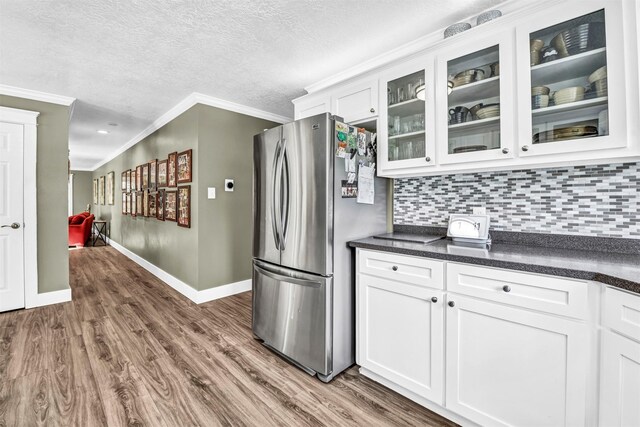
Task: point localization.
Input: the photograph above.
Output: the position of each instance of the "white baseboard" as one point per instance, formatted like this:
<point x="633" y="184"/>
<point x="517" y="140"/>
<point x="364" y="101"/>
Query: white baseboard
<point x="49" y="298"/>
<point x="194" y="295"/>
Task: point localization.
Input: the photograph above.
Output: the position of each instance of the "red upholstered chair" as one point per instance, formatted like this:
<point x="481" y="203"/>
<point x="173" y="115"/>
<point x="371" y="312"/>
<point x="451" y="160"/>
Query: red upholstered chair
<point x="80" y="228"/>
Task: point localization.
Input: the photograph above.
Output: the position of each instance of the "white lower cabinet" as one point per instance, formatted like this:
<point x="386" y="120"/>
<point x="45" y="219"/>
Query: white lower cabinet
<point x="493" y="347"/>
<point x="620" y="364"/>
<point x="509" y="366"/>
<point x="620" y="381"/>
<point x="400" y="329"/>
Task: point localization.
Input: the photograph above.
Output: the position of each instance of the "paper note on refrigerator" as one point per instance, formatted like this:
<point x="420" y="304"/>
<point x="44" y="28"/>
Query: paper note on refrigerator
<point x="366" y="191"/>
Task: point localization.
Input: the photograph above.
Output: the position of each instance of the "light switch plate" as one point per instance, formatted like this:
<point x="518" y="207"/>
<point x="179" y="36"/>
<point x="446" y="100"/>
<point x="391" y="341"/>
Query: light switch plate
<point x="211" y="192"/>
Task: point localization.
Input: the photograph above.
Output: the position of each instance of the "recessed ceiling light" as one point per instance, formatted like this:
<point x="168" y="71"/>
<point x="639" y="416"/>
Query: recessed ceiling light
<point x="103" y="132"/>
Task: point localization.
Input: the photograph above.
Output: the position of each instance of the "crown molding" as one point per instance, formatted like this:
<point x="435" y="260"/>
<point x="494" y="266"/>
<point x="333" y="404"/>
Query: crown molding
<point x="181" y="107"/>
<point x="510" y="9"/>
<point x="36" y="95"/>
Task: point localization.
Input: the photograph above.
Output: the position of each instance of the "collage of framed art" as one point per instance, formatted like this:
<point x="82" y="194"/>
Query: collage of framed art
<point x="154" y="190"/>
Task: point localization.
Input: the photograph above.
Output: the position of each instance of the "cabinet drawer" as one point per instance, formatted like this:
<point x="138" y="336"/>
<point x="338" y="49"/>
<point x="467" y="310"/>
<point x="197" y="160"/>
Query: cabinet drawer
<point x="403" y="268"/>
<point x="555" y="295"/>
<point x="622" y="312"/>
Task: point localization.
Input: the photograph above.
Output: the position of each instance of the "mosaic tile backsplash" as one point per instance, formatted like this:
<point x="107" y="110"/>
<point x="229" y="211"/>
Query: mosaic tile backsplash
<point x="602" y="200"/>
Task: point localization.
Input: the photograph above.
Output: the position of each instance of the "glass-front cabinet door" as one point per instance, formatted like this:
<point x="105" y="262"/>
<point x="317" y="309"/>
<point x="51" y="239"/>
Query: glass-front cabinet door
<point x="576" y="92"/>
<point x="405" y="131"/>
<point x="475" y="101"/>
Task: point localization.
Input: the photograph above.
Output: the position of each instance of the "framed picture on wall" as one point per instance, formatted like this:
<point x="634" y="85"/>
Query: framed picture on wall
<point x="132" y="203"/>
<point x="95" y="191"/>
<point x="128" y="172"/>
<point x="125" y="197"/>
<point x="160" y="205"/>
<point x="133" y="180"/>
<point x="101" y="190"/>
<point x="184" y="206"/>
<point x="145" y="176"/>
<point x="170" y="205"/>
<point x="111" y="188"/>
<point x="184" y="167"/>
<point x="172" y="169"/>
<point x="139" y="178"/>
<point x="123" y="181"/>
<point x="153" y="175"/>
<point x="162" y="173"/>
<point x="140" y="204"/>
<point x="151" y="204"/>
<point x="145" y="203"/>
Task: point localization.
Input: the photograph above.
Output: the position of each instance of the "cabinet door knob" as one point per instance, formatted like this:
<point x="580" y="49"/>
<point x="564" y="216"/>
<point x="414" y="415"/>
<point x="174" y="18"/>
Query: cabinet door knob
<point x="505" y="150"/>
<point x="451" y="304"/>
<point x="525" y="148"/>
<point x="428" y="159"/>
<point x="506" y="288"/>
<point x="394" y="268"/>
<point x="373" y="110"/>
<point x="434" y="299"/>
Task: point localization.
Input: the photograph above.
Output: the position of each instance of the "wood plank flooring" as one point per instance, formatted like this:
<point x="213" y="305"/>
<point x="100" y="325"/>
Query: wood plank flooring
<point x="129" y="350"/>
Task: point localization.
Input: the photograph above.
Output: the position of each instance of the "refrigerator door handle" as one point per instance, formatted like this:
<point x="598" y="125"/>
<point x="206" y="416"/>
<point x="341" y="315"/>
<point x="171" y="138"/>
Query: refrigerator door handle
<point x="275" y="215"/>
<point x="297" y="278"/>
<point x="285" y="194"/>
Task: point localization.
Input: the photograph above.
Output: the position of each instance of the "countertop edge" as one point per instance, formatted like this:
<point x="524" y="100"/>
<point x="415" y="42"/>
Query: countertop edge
<point x="530" y="268"/>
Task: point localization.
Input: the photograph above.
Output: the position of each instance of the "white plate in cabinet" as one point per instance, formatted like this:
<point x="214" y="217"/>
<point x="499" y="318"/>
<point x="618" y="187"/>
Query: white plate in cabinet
<point x="402" y="268"/>
<point x="400" y="330"/>
<point x="550" y="294"/>
<point x="620" y="379"/>
<point x="622" y="313"/>
<point x="512" y="367"/>
<point x="356" y="101"/>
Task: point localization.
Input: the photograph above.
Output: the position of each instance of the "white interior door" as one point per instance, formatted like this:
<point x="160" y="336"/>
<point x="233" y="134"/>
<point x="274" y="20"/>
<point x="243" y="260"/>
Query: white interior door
<point x="11" y="216"/>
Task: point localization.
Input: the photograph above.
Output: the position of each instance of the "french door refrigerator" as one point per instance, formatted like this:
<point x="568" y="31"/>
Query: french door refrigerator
<point x="303" y="271"/>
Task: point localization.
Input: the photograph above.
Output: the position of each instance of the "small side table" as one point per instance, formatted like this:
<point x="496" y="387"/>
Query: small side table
<point x="100" y="228"/>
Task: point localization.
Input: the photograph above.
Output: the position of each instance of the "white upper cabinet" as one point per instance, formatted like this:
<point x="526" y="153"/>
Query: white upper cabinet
<point x="311" y="105"/>
<point x="474" y="100"/>
<point x="406" y="137"/>
<point x="572" y="96"/>
<point x="580" y="58"/>
<point x="356" y="101"/>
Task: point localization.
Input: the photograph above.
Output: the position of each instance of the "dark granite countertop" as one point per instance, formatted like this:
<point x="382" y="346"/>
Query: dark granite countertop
<point x="621" y="270"/>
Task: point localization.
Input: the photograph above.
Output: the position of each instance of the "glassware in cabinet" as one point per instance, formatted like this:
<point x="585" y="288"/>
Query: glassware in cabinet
<point x="406" y="136"/>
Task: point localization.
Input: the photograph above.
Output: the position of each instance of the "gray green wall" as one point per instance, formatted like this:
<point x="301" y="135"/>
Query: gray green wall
<point x="216" y="250"/>
<point x="52" y="179"/>
<point x="82" y="190"/>
<point x="226" y="151"/>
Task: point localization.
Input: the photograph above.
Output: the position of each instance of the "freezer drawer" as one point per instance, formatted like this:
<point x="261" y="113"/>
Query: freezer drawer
<point x="292" y="314"/>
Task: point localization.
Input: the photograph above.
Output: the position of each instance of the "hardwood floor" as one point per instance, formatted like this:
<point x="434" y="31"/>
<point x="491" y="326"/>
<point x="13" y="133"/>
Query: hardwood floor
<point x="129" y="350"/>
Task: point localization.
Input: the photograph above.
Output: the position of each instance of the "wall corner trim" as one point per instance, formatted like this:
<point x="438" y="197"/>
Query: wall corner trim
<point x="36" y="95"/>
<point x="193" y="294"/>
<point x="184" y="105"/>
<point x="48" y="298"/>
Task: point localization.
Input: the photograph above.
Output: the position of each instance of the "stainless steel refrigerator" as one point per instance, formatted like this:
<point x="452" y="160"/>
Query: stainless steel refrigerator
<point x="303" y="271"/>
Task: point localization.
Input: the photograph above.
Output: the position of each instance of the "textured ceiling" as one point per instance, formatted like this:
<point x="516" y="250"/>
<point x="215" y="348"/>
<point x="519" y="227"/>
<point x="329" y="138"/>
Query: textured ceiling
<point x="130" y="61"/>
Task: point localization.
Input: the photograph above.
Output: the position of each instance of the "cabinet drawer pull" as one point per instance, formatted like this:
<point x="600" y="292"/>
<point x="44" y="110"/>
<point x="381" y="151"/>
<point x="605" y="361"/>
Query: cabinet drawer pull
<point x="525" y="148"/>
<point x="394" y="268"/>
<point x="505" y="151"/>
<point x="428" y="159"/>
<point x="506" y="288"/>
<point x="373" y="110"/>
<point x="452" y="304"/>
<point x="434" y="299"/>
